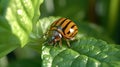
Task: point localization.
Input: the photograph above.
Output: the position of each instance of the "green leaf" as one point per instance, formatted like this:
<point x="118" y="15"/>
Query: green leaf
<point x="86" y="52"/>
<point x="16" y="23"/>
<point x="20" y="18"/>
<point x="8" y="41"/>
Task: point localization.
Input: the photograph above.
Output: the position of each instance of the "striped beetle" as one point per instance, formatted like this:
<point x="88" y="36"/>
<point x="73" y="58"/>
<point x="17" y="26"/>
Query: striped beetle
<point x="62" y="28"/>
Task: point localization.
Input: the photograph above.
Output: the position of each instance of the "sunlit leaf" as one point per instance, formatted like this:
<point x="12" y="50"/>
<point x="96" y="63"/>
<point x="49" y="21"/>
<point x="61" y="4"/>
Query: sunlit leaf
<point x="87" y="52"/>
<point x="16" y="23"/>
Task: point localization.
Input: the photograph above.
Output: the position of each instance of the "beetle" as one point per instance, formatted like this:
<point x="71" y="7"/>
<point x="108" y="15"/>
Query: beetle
<point x="62" y="28"/>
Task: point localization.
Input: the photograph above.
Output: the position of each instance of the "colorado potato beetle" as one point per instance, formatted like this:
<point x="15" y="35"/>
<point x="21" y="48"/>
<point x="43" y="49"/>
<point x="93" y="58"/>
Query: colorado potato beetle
<point x="62" y="28"/>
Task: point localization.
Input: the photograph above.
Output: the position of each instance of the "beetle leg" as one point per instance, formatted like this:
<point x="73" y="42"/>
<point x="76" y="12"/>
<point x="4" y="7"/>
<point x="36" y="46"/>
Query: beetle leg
<point x="55" y="44"/>
<point x="60" y="43"/>
<point x="68" y="43"/>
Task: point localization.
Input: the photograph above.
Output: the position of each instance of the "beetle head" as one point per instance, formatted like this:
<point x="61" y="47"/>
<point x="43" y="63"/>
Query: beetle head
<point x="54" y="36"/>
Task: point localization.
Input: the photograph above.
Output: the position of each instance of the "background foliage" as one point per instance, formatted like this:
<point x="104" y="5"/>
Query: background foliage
<point x="23" y="22"/>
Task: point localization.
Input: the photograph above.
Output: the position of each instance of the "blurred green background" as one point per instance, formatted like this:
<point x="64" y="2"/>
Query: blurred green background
<point x="103" y="13"/>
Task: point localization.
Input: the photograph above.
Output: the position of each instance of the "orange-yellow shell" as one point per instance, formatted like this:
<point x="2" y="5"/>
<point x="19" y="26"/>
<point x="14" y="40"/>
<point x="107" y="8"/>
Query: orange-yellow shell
<point x="66" y="27"/>
<point x="62" y="28"/>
